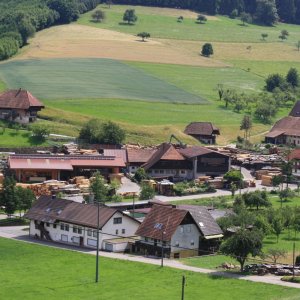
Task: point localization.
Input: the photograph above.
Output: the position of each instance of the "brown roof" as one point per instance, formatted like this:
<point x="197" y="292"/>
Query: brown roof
<point x="161" y="218"/>
<point x="201" y="128"/>
<point x="165" y="151"/>
<point x="49" y="210"/>
<point x="66" y="162"/>
<point x="275" y="133"/>
<point x="19" y="99"/>
<point x="139" y="155"/>
<point x="287" y="125"/>
<point x="194" y="151"/>
<point x="295" y="112"/>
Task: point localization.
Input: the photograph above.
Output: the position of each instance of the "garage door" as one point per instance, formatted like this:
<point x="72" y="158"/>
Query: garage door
<point x="109" y="247"/>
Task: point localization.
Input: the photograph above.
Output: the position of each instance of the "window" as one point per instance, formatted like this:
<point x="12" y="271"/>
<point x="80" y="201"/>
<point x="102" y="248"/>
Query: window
<point x="66" y="227"/>
<point x="177" y="244"/>
<point x="75" y="239"/>
<point x="118" y="220"/>
<point x="161" y="171"/>
<point x="54" y="225"/>
<point x="192" y="243"/>
<point x="95" y="233"/>
<point x="181" y="229"/>
<point x="92" y="243"/>
<point x="89" y="232"/>
<point x="75" y="229"/>
<point x="146" y="239"/>
<point x="182" y="172"/>
<point x="62" y="226"/>
<point x="188" y="228"/>
<point x="117" y="231"/>
<point x="176" y="255"/>
<point x="64" y="238"/>
<point x="79" y="230"/>
<point x="164" y="243"/>
<point x="47" y="224"/>
<point x="155" y="242"/>
<point x="123" y="231"/>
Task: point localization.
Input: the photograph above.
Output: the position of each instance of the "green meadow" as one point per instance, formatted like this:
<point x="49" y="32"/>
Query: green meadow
<point x="220" y="29"/>
<point x="40" y="272"/>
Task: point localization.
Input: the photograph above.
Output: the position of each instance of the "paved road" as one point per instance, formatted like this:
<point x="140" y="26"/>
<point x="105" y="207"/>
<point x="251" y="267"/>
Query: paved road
<point x="17" y="232"/>
<point x="218" y="193"/>
<point x="128" y="186"/>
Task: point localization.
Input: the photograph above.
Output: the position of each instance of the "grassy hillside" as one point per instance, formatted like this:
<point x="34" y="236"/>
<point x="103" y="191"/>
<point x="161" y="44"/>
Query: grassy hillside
<point x="47" y="273"/>
<point x="164" y="25"/>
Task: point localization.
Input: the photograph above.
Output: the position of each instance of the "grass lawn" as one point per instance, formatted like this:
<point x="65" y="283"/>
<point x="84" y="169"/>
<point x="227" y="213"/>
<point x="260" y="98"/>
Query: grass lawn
<point x="162" y="25"/>
<point x="90" y="78"/>
<point x="47" y="273"/>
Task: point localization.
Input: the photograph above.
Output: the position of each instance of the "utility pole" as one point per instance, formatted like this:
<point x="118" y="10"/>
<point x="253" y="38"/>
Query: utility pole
<point x="133" y="204"/>
<point x="97" y="255"/>
<point x="293" y="260"/>
<point x="182" y="287"/>
<point x="162" y="248"/>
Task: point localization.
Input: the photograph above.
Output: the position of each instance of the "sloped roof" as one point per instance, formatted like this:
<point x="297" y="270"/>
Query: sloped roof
<point x="49" y="210"/>
<point x="139" y="155"/>
<point x="169" y="218"/>
<point x="165" y="151"/>
<point x="295" y="154"/>
<point x="194" y="151"/>
<point x="63" y="162"/>
<point x="204" y="220"/>
<point x="287" y="125"/>
<point x="295" y="112"/>
<point x="201" y="128"/>
<point x="19" y="99"/>
<point x="275" y="133"/>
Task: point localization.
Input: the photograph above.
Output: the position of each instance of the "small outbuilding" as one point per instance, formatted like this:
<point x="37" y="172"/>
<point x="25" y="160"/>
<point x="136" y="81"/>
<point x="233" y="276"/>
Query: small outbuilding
<point x="204" y="132"/>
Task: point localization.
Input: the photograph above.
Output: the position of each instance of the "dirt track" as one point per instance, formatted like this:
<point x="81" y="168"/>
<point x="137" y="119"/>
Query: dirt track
<point x="85" y="41"/>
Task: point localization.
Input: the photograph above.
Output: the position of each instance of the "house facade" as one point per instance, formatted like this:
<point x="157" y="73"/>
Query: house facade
<point x="179" y="232"/>
<point x="177" y="163"/>
<point x="69" y="222"/>
<point x="19" y="106"/>
<point x="204" y="132"/>
<point x="294" y="156"/>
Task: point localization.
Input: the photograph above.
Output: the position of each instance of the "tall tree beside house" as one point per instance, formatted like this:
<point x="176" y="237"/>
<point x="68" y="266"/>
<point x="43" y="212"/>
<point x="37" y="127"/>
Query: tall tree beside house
<point x="25" y="198"/>
<point x="242" y="244"/>
<point x="99" y="189"/>
<point x="8" y="197"/>
<point x="112" y="133"/>
<point x="246" y="125"/>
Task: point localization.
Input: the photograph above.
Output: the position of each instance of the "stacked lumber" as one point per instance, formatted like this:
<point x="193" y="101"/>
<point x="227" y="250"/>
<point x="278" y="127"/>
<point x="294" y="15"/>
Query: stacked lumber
<point x="38" y="189"/>
<point x="266" y="180"/>
<point x="1" y="178"/>
<point x="217" y="183"/>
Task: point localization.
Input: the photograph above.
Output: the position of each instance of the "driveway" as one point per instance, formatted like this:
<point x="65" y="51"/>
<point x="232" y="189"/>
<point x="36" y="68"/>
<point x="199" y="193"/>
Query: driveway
<point x="128" y="186"/>
<point x="18" y="234"/>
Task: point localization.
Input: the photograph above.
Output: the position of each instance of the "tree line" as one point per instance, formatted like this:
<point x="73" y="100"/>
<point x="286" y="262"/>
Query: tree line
<point x="20" y="19"/>
<point x="262" y="11"/>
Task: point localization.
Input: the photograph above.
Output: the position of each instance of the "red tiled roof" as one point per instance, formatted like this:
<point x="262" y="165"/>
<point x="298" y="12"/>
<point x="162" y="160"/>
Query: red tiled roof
<point x="139" y="155"/>
<point x="169" y="217"/>
<point x="201" y="128"/>
<point x="19" y="99"/>
<point x="57" y="162"/>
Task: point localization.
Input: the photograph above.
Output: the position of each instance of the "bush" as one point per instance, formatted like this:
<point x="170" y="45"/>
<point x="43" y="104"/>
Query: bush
<point x="140" y="175"/>
<point x="147" y="192"/>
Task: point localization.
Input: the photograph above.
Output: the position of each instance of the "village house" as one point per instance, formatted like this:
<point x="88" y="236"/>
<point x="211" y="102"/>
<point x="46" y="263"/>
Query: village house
<point x="180" y="232"/>
<point x="137" y="157"/>
<point x="178" y="163"/>
<point x="19" y="106"/>
<point x="204" y="132"/>
<point x="38" y="168"/>
<point x="286" y="131"/>
<point x="75" y="223"/>
<point x="294" y="156"/>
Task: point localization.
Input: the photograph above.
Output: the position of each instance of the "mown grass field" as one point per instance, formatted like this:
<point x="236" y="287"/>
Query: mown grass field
<point x="46" y="273"/>
<point x="164" y="25"/>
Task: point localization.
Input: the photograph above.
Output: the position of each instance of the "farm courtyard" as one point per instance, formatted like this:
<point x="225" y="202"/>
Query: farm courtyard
<point x="153" y="88"/>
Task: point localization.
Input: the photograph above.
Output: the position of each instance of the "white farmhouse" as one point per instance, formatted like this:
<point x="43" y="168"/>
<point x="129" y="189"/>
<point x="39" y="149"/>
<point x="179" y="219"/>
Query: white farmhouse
<point x="180" y="232"/>
<point x="75" y="223"/>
